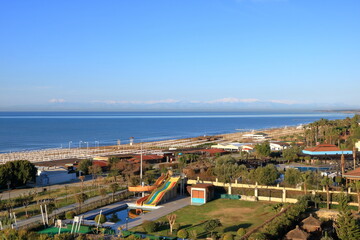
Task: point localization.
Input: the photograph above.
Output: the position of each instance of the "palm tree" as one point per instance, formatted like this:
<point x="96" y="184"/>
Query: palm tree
<point x="356" y="185"/>
<point x="326" y="182"/>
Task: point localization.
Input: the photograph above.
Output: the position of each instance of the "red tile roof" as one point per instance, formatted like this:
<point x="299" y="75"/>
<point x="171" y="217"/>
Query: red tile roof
<point x="101" y="163"/>
<point x="213" y="150"/>
<point x="353" y="173"/>
<point x="323" y="148"/>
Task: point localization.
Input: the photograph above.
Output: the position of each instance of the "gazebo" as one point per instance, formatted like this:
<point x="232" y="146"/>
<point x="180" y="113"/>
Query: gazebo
<point x="297" y="234"/>
<point x="311" y="224"/>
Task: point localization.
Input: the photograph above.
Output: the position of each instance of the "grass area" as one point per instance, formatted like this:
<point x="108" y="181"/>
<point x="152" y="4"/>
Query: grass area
<point x="233" y="214"/>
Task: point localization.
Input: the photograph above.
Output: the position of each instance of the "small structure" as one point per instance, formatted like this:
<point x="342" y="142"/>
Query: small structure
<point x="325" y="149"/>
<point x="311" y="224"/>
<point x="201" y="193"/>
<point x="297" y="234"/>
<point x="53" y="175"/>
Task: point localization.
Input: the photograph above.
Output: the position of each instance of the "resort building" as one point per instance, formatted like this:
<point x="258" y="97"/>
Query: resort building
<point x="325" y="149"/>
<point x="248" y="148"/>
<point x="232" y="147"/>
<point x="53" y="175"/>
<point x="256" y="136"/>
<point x="357" y="145"/>
<point x="278" y="146"/>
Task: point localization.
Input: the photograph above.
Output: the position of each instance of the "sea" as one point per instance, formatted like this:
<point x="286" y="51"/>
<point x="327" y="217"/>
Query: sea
<point x="25" y="131"/>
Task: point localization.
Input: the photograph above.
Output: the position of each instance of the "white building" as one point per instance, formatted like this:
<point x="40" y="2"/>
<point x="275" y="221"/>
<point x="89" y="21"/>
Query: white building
<point x="229" y="146"/>
<point x="256" y="136"/>
<point x="53" y="175"/>
<point x="278" y="146"/>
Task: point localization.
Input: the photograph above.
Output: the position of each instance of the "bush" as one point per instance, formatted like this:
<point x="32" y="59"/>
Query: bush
<point x="241" y="232"/>
<point x="176" y="226"/>
<point x="182" y="233"/>
<point x="70" y="215"/>
<point x="228" y="236"/>
<point x="149" y="226"/>
<point x="101" y="218"/>
<point x="114" y="218"/>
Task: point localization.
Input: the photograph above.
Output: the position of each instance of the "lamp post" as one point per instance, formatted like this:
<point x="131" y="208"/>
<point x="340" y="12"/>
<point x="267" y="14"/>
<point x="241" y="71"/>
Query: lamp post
<point x="80" y="144"/>
<point x="70" y="142"/>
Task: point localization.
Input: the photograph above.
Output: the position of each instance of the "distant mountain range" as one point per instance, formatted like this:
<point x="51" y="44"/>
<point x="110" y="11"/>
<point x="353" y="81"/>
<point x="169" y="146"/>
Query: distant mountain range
<point x="173" y="105"/>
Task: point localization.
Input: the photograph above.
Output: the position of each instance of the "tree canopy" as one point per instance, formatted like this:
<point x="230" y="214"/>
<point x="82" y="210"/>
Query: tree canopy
<point x="17" y="173"/>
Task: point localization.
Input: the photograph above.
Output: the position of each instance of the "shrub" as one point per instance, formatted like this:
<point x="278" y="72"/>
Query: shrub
<point x="182" y="233"/>
<point x="114" y="218"/>
<point x="70" y="215"/>
<point x="101" y="218"/>
<point x="228" y="236"/>
<point x="149" y="226"/>
<point x="241" y="232"/>
<point x="176" y="226"/>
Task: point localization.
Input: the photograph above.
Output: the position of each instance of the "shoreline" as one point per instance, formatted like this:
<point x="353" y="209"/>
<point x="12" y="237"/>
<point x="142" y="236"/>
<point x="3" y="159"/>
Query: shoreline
<point x="150" y="147"/>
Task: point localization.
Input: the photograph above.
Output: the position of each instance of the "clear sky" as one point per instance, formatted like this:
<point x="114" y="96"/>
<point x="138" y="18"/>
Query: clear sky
<point x="127" y="53"/>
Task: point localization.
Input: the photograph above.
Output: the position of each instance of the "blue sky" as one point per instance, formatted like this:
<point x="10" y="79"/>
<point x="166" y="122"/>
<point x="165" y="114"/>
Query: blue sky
<point x="124" y="54"/>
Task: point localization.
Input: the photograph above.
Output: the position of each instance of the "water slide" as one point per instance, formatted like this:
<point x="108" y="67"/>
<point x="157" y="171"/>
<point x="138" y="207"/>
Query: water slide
<point x="148" y="188"/>
<point x="155" y="197"/>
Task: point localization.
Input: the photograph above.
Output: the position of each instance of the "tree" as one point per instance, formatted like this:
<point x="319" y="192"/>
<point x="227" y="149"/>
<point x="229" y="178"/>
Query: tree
<point x="18" y="173"/>
<point x="266" y="175"/>
<point x="291" y="154"/>
<point x="113" y="188"/>
<point x="356" y="185"/>
<point x="326" y="182"/>
<point x="94" y="170"/>
<point x="346" y="226"/>
<point x="70" y="215"/>
<point x="80" y="198"/>
<point x="182" y="234"/>
<point x="171" y="218"/>
<point x="262" y="150"/>
<point x="84" y="166"/>
<point x="210" y="225"/>
<point x="100" y="218"/>
<point x="26" y="199"/>
<point x="292" y="176"/>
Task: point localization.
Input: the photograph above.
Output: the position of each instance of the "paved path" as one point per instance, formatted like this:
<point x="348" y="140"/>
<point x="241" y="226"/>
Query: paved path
<point x="165" y="209"/>
<point x="73" y="206"/>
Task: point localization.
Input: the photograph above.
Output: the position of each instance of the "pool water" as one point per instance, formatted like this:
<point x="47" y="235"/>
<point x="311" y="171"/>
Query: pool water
<point x="127" y="214"/>
<point x="319" y="169"/>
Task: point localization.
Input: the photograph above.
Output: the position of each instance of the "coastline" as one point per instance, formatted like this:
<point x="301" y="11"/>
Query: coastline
<point x="151" y="147"/>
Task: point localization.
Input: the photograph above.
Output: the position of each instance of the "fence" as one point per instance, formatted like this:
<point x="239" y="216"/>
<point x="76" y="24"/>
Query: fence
<point x="282" y="194"/>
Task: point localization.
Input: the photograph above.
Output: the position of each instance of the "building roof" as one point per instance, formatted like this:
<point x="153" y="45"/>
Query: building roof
<point x="137" y="158"/>
<point x="311" y="221"/>
<point x="323" y="148"/>
<point x="353" y="173"/>
<point x="101" y="163"/>
<point x="280" y="143"/>
<point x="213" y="150"/>
<point x="297" y="233"/>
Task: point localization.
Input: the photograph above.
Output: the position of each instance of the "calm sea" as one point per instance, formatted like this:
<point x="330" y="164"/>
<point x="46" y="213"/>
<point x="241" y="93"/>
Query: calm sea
<point x="37" y="130"/>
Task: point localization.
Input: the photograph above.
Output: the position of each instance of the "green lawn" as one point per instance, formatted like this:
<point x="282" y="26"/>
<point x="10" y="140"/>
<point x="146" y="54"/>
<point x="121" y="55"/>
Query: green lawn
<point x="232" y="214"/>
